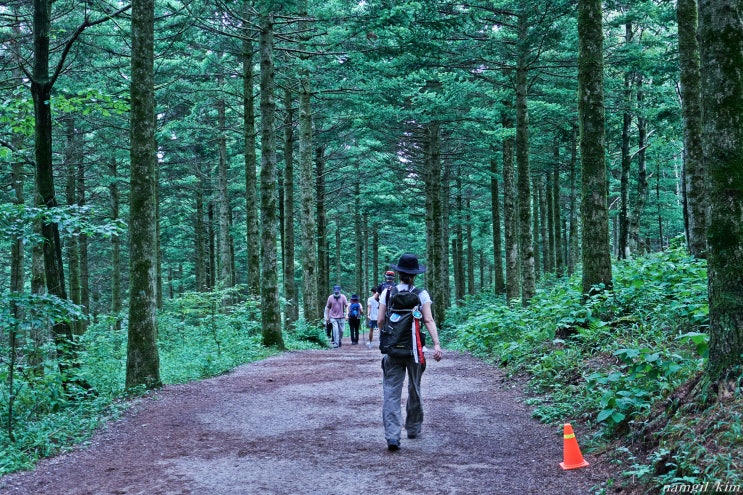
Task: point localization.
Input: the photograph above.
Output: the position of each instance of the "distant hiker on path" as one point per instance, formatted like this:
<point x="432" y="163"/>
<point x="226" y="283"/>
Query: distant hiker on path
<point x="336" y="313"/>
<point x="401" y="341"/>
<point x="355" y="312"/>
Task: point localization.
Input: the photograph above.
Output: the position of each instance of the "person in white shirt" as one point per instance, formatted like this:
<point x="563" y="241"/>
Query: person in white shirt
<point x="372" y="311"/>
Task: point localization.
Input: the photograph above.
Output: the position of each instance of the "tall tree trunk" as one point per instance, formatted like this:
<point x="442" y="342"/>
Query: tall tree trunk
<point x="545" y="198"/>
<point x="270" y="304"/>
<point x="538" y="215"/>
<point x="511" y="219"/>
<point x="573" y="242"/>
<point x="320" y="244"/>
<point x="251" y="160"/>
<point x="500" y="285"/>
<point x="224" y="244"/>
<point x="557" y="208"/>
<point x="623" y="238"/>
<point x="143" y="362"/>
<point x="201" y="262"/>
<point x="311" y="269"/>
<point x="460" y="288"/>
<point x="695" y="197"/>
<point x="41" y="87"/>
<point x="596" y="247"/>
<point x="83" y="243"/>
<point x="290" y="287"/>
<point x="116" y="297"/>
<point x="523" y="180"/>
<point x="359" y="240"/>
<point x="722" y="137"/>
<point x="642" y="176"/>
<point x="435" y="239"/>
<point x="470" y="252"/>
<point x="71" y="157"/>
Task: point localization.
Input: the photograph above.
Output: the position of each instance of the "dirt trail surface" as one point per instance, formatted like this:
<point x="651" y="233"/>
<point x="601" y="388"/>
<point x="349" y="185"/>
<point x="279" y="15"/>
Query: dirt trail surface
<point x="309" y="423"/>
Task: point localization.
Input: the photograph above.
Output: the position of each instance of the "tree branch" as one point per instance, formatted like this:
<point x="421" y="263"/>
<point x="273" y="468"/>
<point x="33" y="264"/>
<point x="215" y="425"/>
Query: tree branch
<point x="82" y="27"/>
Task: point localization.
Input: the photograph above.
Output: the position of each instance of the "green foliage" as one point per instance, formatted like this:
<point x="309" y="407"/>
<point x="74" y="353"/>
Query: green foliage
<point x="616" y="362"/>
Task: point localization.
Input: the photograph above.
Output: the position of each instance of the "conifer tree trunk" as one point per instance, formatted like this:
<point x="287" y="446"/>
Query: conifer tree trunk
<point x="623" y="247"/>
<point x="538" y="216"/>
<point x="573" y="242"/>
<point x="460" y="288"/>
<point x="436" y="240"/>
<point x="290" y="288"/>
<point x="642" y="178"/>
<point x="251" y="160"/>
<point x="71" y="156"/>
<point x="200" y="239"/>
<point x="695" y="198"/>
<point x="270" y="305"/>
<point x="523" y="179"/>
<point x="596" y="248"/>
<point x="311" y="267"/>
<point x="116" y="298"/>
<point x="359" y="241"/>
<point x="320" y="244"/>
<point x="513" y="274"/>
<point x="500" y="285"/>
<point x="83" y="243"/>
<point x="548" y="238"/>
<point x="557" y="208"/>
<point x="143" y="363"/>
<point x="470" y="253"/>
<point x="41" y="88"/>
<point x="224" y="242"/>
<point x="720" y="32"/>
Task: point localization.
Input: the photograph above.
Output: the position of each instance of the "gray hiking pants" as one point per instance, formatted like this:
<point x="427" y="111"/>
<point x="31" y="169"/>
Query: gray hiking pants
<point x="394" y="370"/>
<point x="338" y="324"/>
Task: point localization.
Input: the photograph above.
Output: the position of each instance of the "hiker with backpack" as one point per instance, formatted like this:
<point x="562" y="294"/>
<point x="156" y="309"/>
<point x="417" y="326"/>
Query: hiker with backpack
<point x="335" y="313"/>
<point x="402" y="309"/>
<point x="355" y="312"/>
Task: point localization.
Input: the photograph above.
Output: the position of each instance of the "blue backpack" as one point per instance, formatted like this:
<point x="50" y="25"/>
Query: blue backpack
<point x="354" y="310"/>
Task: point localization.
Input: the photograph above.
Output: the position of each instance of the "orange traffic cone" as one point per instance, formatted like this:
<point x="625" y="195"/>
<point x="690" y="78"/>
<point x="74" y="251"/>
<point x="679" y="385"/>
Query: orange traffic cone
<point x="572" y="458"/>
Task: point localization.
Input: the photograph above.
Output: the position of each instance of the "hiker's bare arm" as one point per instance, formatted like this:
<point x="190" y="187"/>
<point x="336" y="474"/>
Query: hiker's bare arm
<point x="431" y="327"/>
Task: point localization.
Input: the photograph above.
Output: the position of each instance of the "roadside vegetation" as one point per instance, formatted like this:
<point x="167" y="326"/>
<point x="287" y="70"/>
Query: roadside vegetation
<point x="625" y="366"/>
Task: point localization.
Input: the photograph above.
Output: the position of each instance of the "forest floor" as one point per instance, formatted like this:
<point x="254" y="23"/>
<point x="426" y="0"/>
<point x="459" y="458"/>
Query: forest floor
<point x="309" y="423"/>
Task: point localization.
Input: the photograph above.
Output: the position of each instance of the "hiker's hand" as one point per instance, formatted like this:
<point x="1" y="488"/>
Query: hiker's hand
<point x="437" y="353"/>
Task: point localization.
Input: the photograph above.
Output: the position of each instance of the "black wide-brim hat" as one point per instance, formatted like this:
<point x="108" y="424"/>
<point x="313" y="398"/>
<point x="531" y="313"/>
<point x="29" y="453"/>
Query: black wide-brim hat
<point x="408" y="263"/>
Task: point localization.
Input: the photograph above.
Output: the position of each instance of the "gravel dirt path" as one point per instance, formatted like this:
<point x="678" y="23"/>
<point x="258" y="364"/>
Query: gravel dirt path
<point x="309" y="423"/>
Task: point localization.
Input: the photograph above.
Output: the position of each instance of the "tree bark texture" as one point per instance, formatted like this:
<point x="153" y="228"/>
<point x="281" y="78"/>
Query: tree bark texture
<point x="500" y="285"/>
<point x="290" y="287"/>
<point x="523" y="180"/>
<point x="320" y="243"/>
<point x="251" y="161"/>
<point x="143" y="363"/>
<point x="511" y="219"/>
<point x="436" y="242"/>
<point x="720" y="37"/>
<point x="270" y="304"/>
<point x="638" y="205"/>
<point x="695" y="197"/>
<point x="116" y="297"/>
<point x="225" y="240"/>
<point x="596" y="248"/>
<point x="557" y="208"/>
<point x="41" y="88"/>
